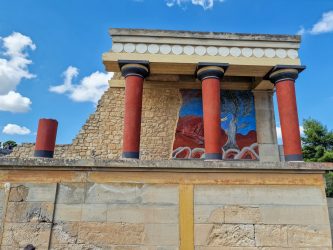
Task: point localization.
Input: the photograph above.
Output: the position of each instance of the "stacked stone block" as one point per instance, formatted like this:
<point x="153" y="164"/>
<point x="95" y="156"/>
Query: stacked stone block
<point x="260" y="217"/>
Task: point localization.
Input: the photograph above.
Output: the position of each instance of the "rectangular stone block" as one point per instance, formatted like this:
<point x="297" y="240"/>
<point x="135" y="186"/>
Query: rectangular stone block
<point x="94" y="212"/>
<point x="130" y="193"/>
<point x="64" y="233"/>
<point x="271" y="235"/>
<point x="19" y="235"/>
<point x="117" y="193"/>
<point x="294" y="215"/>
<point x="104" y="234"/>
<point x="208" y="214"/>
<point x="258" y="195"/>
<point x="220" y="235"/>
<point x="161" y="234"/>
<point x="242" y="214"/>
<point x="229" y="248"/>
<point x="269" y="152"/>
<point x="148" y="214"/>
<point x="71" y="193"/>
<point x="309" y="236"/>
<point x="29" y="212"/>
<point x="68" y="212"/>
<point x="40" y="192"/>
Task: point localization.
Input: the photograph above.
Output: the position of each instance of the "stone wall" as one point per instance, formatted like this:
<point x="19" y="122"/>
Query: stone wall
<point x="158" y="207"/>
<point x="330" y="212"/>
<point x="26" y="150"/>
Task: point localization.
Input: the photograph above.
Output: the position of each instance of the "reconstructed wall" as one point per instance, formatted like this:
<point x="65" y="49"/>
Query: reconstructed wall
<point x="57" y="207"/>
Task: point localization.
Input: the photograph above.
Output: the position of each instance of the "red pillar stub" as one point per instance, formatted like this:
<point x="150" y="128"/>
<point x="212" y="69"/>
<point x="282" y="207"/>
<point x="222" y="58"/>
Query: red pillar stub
<point x="46" y="138"/>
<point x="134" y="77"/>
<point x="210" y="77"/>
<point x="284" y="81"/>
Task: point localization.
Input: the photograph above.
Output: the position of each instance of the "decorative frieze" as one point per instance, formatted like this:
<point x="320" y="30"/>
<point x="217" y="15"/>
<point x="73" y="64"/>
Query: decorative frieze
<point x="175" y="49"/>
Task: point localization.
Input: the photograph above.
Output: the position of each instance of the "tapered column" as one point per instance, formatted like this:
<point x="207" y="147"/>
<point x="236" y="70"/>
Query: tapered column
<point x="134" y="77"/>
<point x="46" y="138"/>
<point x="210" y="76"/>
<point x="284" y="80"/>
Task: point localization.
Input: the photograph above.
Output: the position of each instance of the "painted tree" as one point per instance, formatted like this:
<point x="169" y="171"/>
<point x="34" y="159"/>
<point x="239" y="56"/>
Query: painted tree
<point x="235" y="104"/>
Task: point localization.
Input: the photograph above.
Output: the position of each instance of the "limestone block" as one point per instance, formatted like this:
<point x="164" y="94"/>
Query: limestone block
<point x="71" y="193"/>
<point x="98" y="234"/>
<point x="309" y="236"/>
<point x="94" y="212"/>
<point x="29" y="212"/>
<point x="18" y="193"/>
<point x="64" y="233"/>
<point x="329" y="202"/>
<point x="228" y="248"/>
<point x="142" y="213"/>
<point x="269" y="152"/>
<point x="208" y="214"/>
<point x="112" y="193"/>
<point x="271" y="235"/>
<point x="219" y="235"/>
<point x="294" y="215"/>
<point x="161" y="234"/>
<point x="259" y="195"/>
<point x="242" y="214"/>
<point x="41" y="192"/>
<point x="21" y="234"/>
<point x="160" y="194"/>
<point x="68" y="212"/>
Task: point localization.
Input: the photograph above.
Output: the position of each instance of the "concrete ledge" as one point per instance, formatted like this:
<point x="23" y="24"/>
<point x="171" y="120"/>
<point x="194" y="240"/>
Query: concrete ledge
<point x="160" y="165"/>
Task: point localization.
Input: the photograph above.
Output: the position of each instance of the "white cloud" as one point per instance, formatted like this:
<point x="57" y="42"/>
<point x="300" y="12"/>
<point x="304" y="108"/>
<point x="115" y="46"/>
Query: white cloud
<point x="14" y="64"/>
<point x="279" y="133"/>
<point x="13" y="129"/>
<point x="90" y="88"/>
<point x="205" y="4"/>
<point x="324" y="25"/>
<point x="14" y="102"/>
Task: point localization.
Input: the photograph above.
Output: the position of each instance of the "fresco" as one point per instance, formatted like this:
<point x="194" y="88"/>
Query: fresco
<point x="238" y="126"/>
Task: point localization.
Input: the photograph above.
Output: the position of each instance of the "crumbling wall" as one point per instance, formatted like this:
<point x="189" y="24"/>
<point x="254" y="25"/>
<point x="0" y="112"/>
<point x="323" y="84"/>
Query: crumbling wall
<point x="26" y="150"/>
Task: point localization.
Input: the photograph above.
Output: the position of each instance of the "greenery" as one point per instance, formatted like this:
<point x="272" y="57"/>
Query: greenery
<point x="8" y="145"/>
<point x="317" y="142"/>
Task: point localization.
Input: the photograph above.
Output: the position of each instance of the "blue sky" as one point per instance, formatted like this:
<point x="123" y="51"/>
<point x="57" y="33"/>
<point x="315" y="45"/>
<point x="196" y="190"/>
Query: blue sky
<point x="53" y="37"/>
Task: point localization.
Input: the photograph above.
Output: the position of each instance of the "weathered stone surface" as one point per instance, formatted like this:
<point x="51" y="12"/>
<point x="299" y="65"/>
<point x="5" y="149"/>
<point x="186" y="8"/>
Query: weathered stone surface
<point x="259" y="195"/>
<point x="208" y="214"/>
<point x="142" y="214"/>
<point x="64" y="233"/>
<point x="68" y="212"/>
<point x="294" y="215"/>
<point x="309" y="236"/>
<point x="235" y="235"/>
<point x="161" y="234"/>
<point x="111" y="233"/>
<point x="29" y="212"/>
<point x="21" y="234"/>
<point x="94" y="212"/>
<point x="41" y="192"/>
<point x="129" y="193"/>
<point x="271" y="235"/>
<point x="70" y="193"/>
<point x="242" y="214"/>
<point x="18" y="193"/>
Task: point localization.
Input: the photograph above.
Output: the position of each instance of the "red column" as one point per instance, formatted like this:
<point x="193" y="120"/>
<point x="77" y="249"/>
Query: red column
<point x="134" y="77"/>
<point x="284" y="80"/>
<point x="46" y="138"/>
<point x="210" y="77"/>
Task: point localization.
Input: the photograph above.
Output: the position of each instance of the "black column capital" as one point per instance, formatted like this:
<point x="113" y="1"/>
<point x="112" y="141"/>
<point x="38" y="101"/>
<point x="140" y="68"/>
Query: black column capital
<point x="134" y="68"/>
<point x="211" y="70"/>
<point x="284" y="72"/>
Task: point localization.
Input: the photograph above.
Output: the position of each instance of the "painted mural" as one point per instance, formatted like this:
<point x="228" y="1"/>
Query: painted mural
<point x="238" y="126"/>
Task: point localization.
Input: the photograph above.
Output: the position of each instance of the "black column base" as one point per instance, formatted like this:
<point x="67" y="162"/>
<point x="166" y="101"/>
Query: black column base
<point x="293" y="157"/>
<point x="213" y="156"/>
<point x="44" y="153"/>
<point x="131" y="155"/>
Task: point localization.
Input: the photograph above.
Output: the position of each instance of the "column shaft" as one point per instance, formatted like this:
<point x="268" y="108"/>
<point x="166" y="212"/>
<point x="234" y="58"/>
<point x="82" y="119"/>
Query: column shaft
<point x="286" y="97"/>
<point x="46" y="138"/>
<point x="132" y="119"/>
<point x="212" y="117"/>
